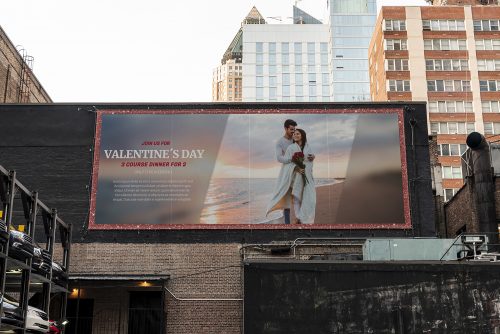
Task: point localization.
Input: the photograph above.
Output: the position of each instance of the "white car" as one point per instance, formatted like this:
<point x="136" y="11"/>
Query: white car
<point x="37" y="320"/>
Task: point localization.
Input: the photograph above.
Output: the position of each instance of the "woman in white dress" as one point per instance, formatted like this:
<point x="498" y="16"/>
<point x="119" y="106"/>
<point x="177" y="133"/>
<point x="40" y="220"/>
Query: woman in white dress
<point x="293" y="183"/>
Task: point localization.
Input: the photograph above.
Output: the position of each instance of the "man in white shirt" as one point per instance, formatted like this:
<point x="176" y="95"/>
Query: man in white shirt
<point x="281" y="146"/>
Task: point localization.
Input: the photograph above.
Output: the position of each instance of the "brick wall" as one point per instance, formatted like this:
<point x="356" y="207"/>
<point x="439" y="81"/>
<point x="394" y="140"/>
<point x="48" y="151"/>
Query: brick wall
<point x="196" y="271"/>
<point x="201" y="271"/>
<point x="460" y="212"/>
<point x="10" y="75"/>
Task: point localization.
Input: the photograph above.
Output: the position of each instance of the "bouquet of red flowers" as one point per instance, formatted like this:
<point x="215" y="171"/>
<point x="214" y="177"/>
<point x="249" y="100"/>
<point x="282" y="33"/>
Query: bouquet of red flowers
<point x="298" y="159"/>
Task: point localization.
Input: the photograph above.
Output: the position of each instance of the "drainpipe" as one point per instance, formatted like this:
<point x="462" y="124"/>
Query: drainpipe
<point x="483" y="188"/>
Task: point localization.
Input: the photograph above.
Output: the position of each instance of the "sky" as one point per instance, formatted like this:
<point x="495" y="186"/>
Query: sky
<point x="136" y="51"/>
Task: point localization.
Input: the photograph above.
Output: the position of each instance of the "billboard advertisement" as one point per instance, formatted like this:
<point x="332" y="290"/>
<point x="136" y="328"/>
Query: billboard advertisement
<point x="192" y="169"/>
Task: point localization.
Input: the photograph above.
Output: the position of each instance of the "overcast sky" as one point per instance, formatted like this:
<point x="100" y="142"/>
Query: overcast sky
<point x="135" y="51"/>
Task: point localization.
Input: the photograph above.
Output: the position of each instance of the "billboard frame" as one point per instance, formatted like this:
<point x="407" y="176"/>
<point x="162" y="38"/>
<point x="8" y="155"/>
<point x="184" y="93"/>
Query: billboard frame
<point x="361" y="109"/>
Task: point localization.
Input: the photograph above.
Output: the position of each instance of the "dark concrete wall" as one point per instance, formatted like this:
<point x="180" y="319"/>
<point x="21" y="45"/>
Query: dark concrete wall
<point x="318" y="297"/>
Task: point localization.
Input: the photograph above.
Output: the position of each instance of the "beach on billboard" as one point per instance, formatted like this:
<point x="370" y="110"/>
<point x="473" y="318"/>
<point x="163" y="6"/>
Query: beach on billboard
<point x="247" y="199"/>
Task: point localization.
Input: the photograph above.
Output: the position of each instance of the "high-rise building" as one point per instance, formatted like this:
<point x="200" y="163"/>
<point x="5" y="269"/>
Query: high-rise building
<point x="448" y="56"/>
<point x="305" y="61"/>
<point x="226" y="78"/>
<point x="351" y="28"/>
<point x="285" y="62"/>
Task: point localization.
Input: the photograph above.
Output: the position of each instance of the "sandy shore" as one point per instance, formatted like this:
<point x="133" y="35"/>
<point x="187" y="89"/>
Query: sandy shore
<point x="372" y="200"/>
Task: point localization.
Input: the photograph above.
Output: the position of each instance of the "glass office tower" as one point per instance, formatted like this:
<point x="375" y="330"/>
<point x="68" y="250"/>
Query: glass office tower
<point x="351" y="27"/>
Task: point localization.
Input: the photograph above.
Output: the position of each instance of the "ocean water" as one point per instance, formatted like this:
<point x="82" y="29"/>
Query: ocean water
<point x="242" y="201"/>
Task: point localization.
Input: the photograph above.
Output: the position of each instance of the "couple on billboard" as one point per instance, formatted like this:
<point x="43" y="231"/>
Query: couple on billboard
<point x="295" y="181"/>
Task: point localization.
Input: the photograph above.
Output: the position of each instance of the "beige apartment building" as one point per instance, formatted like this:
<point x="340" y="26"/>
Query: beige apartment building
<point x="226" y="82"/>
<point x="448" y="56"/>
<point x="227" y="77"/>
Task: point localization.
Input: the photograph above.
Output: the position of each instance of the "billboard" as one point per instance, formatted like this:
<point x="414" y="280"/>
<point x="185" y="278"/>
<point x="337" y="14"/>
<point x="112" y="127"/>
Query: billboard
<point x="196" y="169"/>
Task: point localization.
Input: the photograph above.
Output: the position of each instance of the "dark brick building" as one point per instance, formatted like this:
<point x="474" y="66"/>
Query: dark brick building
<point x="18" y="84"/>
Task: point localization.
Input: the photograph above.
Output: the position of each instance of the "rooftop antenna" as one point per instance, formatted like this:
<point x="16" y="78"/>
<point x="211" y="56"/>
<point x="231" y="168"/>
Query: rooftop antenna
<point x="297" y="1"/>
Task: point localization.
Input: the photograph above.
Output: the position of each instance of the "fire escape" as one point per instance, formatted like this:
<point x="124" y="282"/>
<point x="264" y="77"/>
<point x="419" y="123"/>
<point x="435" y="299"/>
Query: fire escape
<point x="23" y="92"/>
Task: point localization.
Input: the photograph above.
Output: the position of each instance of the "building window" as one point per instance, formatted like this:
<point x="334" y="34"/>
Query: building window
<point x="259" y="58"/>
<point x="272" y="69"/>
<point x="323" y="47"/>
<point x="445" y="44"/>
<point x="311" y="48"/>
<point x="285" y="59"/>
<point x="491" y="128"/>
<point x="286" y="91"/>
<point x="395" y="25"/>
<point x="490" y="106"/>
<point x="488" y="64"/>
<point x="452" y="172"/>
<point x="445" y="128"/>
<point x="451" y="149"/>
<point x="312" y="78"/>
<point x="489" y="85"/>
<point x="298" y="59"/>
<point x="312" y="93"/>
<point x="259" y="47"/>
<point x="446" y="65"/>
<point x="272" y="81"/>
<point x="448" y="85"/>
<point x="272" y="93"/>
<point x="298" y="78"/>
<point x="272" y="59"/>
<point x="311" y="59"/>
<point x="487" y="44"/>
<point x="450" y="106"/>
<point x="449" y="193"/>
<point x="285" y="47"/>
<point x="485" y="25"/>
<point x="272" y="48"/>
<point x="286" y="78"/>
<point x="399" y="85"/>
<point x="443" y="25"/>
<point x="395" y="44"/>
<point x="259" y="69"/>
<point x="259" y="81"/>
<point x="397" y="64"/>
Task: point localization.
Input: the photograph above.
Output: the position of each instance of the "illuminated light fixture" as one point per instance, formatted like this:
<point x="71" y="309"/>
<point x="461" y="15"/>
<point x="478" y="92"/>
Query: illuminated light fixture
<point x="74" y="292"/>
<point x="145" y="284"/>
<point x="65" y="322"/>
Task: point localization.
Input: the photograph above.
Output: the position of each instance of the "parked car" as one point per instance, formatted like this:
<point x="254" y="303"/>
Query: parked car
<point x="20" y="245"/>
<point x="12" y="316"/>
<point x="55" y="327"/>
<point x="36" y="321"/>
<point x="3" y="230"/>
<point x="42" y="261"/>
<point x="59" y="274"/>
